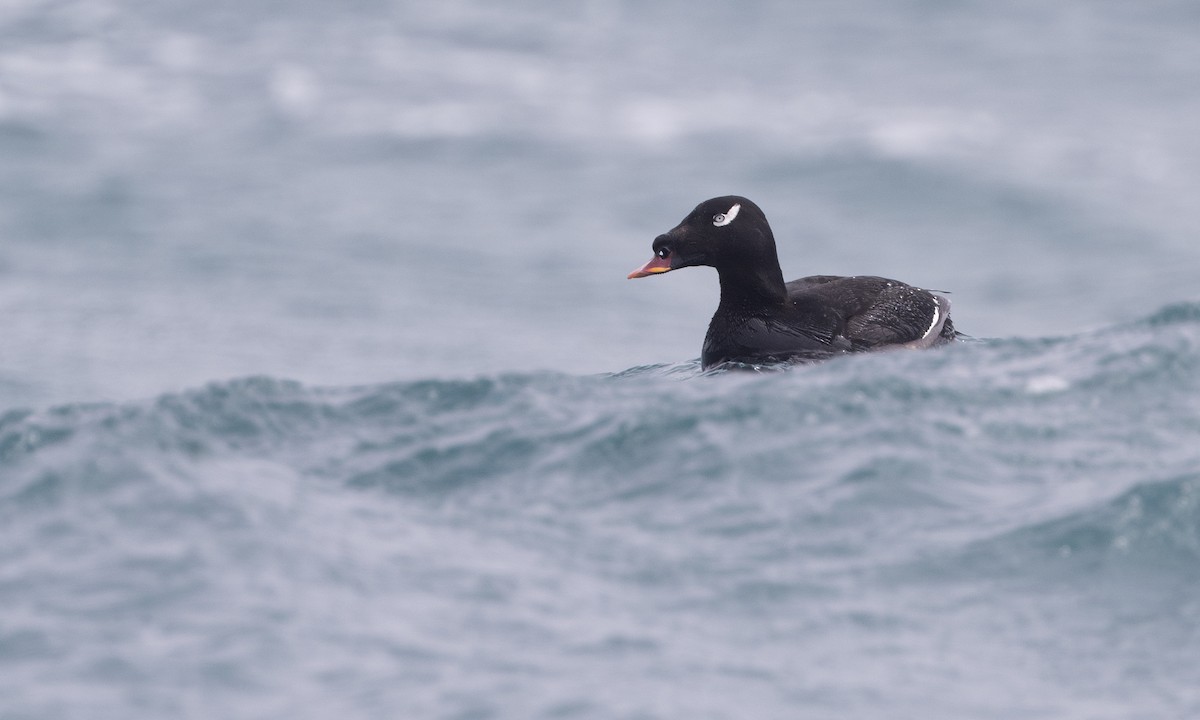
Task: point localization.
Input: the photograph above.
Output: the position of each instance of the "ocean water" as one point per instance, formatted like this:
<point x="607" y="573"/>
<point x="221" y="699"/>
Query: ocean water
<point x="323" y="393"/>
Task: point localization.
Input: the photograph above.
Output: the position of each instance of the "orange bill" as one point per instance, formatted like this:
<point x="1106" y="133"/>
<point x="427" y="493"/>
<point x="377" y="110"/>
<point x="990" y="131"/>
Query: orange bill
<point x="655" y="266"/>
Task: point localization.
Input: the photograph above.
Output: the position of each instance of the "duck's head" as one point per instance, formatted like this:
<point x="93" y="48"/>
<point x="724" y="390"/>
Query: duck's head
<point x="724" y="232"/>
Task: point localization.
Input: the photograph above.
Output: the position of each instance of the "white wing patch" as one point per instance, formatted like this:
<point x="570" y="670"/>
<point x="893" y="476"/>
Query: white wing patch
<point x="937" y="314"/>
<point x="723" y="219"/>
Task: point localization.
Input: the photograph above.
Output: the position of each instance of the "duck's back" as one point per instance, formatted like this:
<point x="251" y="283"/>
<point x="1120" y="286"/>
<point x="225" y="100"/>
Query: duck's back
<point x="829" y="314"/>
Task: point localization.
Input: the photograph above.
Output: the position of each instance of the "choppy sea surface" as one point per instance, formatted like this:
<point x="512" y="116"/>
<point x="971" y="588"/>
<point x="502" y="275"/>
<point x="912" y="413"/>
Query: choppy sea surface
<point x="323" y="394"/>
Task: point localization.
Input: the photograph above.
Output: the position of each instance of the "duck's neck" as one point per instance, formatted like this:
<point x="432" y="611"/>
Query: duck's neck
<point x="747" y="289"/>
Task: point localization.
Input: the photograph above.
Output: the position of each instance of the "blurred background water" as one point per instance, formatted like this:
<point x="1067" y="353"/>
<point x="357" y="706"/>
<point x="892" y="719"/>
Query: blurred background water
<point x="369" y="191"/>
<point x="477" y="473"/>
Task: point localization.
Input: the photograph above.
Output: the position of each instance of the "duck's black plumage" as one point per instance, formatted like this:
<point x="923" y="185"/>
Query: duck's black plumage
<point x="763" y="319"/>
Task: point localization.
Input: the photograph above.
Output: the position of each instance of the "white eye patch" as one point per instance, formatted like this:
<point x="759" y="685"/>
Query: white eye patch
<point x="723" y="219"/>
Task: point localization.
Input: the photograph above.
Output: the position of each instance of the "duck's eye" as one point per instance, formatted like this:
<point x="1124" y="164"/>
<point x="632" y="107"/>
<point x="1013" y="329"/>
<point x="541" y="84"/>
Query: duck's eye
<point x="663" y="253"/>
<point x="723" y="219"/>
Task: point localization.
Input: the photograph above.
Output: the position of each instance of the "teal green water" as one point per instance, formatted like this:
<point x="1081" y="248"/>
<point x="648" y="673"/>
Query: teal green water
<point x="323" y="392"/>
